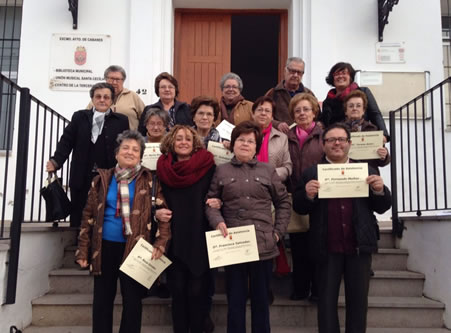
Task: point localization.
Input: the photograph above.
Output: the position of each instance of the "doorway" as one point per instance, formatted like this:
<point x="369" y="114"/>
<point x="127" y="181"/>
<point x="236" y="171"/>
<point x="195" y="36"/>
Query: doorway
<point x="208" y="44"/>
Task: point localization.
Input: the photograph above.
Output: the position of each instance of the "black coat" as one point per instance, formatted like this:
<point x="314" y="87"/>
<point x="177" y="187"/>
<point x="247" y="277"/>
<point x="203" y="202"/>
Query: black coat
<point x="189" y="223"/>
<point x="182" y="115"/>
<point x="363" y="220"/>
<point x="333" y="112"/>
<point x="76" y="139"/>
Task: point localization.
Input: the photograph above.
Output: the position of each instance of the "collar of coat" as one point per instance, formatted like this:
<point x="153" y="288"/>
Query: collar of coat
<point x="237" y="162"/>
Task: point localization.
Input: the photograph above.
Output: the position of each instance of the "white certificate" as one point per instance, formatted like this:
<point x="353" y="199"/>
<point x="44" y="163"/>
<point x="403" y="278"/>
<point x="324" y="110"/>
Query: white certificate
<point x="346" y="180"/>
<point x="220" y="153"/>
<point x="365" y="144"/>
<point x="238" y="247"/>
<point x="225" y="129"/>
<point x="140" y="267"/>
<point x="151" y="155"/>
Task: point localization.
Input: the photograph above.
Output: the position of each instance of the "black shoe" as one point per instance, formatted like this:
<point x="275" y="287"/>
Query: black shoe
<point x="209" y="325"/>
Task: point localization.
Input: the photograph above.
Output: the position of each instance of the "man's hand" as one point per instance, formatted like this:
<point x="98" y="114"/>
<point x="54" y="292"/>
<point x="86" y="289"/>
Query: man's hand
<point x="376" y="183"/>
<point x="382" y="152"/>
<point x="283" y="127"/>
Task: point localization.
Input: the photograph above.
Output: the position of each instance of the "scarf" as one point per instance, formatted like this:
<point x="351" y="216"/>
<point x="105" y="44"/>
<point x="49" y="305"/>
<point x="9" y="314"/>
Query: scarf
<point x="355" y="125"/>
<point x="303" y="134"/>
<point x="263" y="155"/>
<point x="181" y="174"/>
<point x="124" y="176"/>
<point x="223" y="106"/>
<point x="98" y="119"/>
<point x="333" y="92"/>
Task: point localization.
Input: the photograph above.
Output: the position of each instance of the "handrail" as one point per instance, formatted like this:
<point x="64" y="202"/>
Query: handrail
<point x="419" y="175"/>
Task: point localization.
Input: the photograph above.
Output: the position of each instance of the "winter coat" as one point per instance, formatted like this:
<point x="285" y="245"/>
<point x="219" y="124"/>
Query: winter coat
<point x="90" y="238"/>
<point x="247" y="191"/>
<point x="278" y="153"/>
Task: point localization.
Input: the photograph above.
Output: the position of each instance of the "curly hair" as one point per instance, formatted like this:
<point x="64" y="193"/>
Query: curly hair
<point x="131" y="135"/>
<point x="339" y="66"/>
<point x="167" y="145"/>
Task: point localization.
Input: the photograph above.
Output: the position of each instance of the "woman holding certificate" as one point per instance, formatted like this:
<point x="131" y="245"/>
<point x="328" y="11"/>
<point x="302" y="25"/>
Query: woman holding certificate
<point x="205" y="111"/>
<point x="355" y="105"/>
<point x="248" y="188"/>
<point x="306" y="149"/>
<point x="185" y="170"/>
<point x="116" y="216"/>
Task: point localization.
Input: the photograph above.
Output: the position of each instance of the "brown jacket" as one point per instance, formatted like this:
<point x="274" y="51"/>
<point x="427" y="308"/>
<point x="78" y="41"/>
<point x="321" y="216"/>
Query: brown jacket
<point x="90" y="238"/>
<point x="282" y="98"/>
<point x="279" y="156"/>
<point x="310" y="154"/>
<point x="247" y="191"/>
<point x="241" y="112"/>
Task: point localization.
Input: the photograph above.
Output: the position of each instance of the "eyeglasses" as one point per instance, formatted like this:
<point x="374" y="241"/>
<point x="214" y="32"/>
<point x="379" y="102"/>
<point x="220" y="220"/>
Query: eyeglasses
<point x="231" y="87"/>
<point x="114" y="79"/>
<point x="167" y="87"/>
<point x="105" y="97"/>
<point x="341" y="73"/>
<point x="261" y="110"/>
<point x="295" y="71"/>
<point x="205" y="114"/>
<point x="303" y="110"/>
<point x="152" y="124"/>
<point x="243" y="141"/>
<point x="357" y="106"/>
<point x="333" y="140"/>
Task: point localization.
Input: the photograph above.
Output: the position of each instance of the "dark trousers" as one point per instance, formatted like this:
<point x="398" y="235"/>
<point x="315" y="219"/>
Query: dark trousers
<point x="189" y="296"/>
<point x="257" y="276"/>
<point x="356" y="272"/>
<point x="78" y="197"/>
<point x="304" y="269"/>
<point x="105" y="292"/>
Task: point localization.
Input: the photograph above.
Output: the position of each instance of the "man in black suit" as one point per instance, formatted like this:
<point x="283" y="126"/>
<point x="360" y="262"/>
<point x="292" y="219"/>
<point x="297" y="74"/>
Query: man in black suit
<point x="91" y="138"/>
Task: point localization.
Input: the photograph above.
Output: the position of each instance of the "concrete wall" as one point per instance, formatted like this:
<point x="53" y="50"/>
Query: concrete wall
<point x="429" y="249"/>
<point x="42" y="250"/>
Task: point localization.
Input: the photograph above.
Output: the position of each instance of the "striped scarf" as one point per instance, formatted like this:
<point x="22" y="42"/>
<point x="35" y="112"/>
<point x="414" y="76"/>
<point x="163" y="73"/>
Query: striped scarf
<point x="124" y="176"/>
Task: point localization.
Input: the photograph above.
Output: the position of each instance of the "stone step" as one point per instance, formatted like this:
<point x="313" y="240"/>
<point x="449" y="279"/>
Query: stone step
<point x="402" y="312"/>
<point x="222" y="329"/>
<point x="383" y="283"/>
<point x="387" y="240"/>
<point x="390" y="260"/>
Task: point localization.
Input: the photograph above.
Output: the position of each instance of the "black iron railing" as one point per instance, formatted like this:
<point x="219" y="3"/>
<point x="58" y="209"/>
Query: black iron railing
<point x="23" y="159"/>
<point x="420" y="145"/>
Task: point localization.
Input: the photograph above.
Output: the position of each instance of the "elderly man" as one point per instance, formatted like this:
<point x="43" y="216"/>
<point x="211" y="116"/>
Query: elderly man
<point x="343" y="235"/>
<point x="285" y="90"/>
<point x="126" y="101"/>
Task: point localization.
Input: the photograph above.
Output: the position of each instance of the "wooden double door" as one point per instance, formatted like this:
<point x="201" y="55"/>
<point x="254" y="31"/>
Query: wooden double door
<point x="208" y="44"/>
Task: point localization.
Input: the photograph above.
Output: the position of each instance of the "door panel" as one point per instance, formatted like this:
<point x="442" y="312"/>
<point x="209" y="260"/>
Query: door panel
<point x="202" y="53"/>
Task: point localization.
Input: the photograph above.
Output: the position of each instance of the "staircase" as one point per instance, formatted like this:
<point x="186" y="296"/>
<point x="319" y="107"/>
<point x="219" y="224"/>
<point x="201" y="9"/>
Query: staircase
<point x="396" y="303"/>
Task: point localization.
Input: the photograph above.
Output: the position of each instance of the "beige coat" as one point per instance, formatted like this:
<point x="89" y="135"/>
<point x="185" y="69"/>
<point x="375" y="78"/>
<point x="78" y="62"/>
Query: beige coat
<point x="278" y="153"/>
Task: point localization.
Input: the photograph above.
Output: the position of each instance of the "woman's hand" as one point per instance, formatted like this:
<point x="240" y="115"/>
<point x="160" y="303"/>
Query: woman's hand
<point x="214" y="203"/>
<point x="163" y="214"/>
<point x="312" y="188"/>
<point x="226" y="144"/>
<point x="83" y="263"/>
<point x="157" y="253"/>
<point x="283" y="127"/>
<point x="223" y="228"/>
<point x="50" y="167"/>
<point x="382" y="152"/>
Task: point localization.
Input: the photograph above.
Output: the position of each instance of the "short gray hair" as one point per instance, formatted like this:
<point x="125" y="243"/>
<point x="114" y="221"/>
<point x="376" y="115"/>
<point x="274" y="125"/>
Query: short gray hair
<point x="131" y="135"/>
<point x="159" y="113"/>
<point x="115" y="68"/>
<point x="294" y="59"/>
<point x="101" y="85"/>
<point x="231" y="76"/>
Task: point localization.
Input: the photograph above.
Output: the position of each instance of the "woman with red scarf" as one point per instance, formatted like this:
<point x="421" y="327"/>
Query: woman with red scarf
<point x="341" y="76"/>
<point x="185" y="170"/>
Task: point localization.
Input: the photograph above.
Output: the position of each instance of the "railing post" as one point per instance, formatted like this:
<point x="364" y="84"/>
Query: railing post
<point x="397" y="225"/>
<point x="19" y="193"/>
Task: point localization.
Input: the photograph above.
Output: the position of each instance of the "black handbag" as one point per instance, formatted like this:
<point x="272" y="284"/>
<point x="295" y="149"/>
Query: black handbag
<point x="57" y="204"/>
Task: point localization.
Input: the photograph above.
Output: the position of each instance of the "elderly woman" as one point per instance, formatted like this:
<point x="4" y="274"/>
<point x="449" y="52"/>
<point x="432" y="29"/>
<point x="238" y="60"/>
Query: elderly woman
<point x="117" y="215"/>
<point x="91" y="138"/>
<point x="355" y="105"/>
<point x="341" y="77"/>
<point x="247" y="189"/>
<point x="185" y="170"/>
<point x="205" y="111"/>
<point x="126" y="101"/>
<point x="156" y="121"/>
<point x="167" y="89"/>
<point x="234" y="108"/>
<point x="306" y="149"/>
<point x="274" y="147"/>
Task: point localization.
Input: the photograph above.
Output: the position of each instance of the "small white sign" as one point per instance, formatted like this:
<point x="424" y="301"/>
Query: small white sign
<point x="77" y="62"/>
<point x="390" y="53"/>
<point x="371" y="79"/>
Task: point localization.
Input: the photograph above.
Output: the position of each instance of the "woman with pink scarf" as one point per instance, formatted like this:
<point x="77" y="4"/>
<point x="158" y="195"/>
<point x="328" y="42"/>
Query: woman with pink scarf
<point x="305" y="146"/>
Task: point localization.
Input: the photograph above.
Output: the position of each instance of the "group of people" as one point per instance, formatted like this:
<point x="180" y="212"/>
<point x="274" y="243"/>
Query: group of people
<point x="270" y="183"/>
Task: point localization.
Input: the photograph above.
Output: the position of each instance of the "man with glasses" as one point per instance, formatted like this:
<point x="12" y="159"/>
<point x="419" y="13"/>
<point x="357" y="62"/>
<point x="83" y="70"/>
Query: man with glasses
<point x="343" y="236"/>
<point x="285" y="90"/>
<point x="126" y="101"/>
